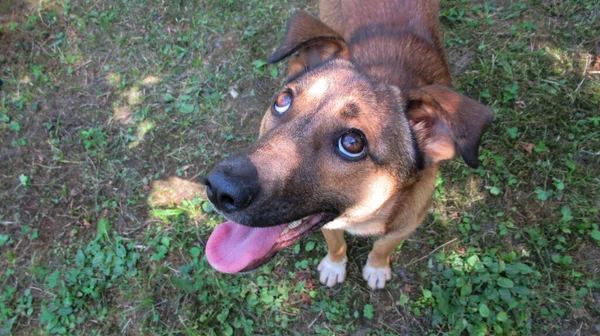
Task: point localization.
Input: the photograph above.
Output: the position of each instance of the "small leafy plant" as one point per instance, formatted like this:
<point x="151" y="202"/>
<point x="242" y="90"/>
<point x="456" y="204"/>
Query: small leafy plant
<point x="81" y="289"/>
<point x="94" y="140"/>
<point x="482" y="292"/>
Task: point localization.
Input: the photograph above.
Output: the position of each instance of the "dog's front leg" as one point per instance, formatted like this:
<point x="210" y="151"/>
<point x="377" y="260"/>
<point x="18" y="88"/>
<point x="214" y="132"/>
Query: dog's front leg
<point x="332" y="269"/>
<point x="377" y="270"/>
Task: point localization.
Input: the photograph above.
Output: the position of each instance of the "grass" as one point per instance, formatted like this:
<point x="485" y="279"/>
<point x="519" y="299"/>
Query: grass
<point x="111" y="111"/>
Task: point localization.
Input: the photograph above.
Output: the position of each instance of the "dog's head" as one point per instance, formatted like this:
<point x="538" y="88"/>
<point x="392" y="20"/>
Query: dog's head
<point x="333" y="143"/>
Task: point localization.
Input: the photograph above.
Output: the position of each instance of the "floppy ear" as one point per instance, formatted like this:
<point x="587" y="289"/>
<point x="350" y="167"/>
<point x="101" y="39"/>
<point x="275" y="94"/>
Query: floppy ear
<point x="444" y="120"/>
<point x="314" y="42"/>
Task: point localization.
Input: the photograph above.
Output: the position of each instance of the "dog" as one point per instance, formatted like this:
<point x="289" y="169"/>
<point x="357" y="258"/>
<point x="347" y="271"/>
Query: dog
<point x="352" y="142"/>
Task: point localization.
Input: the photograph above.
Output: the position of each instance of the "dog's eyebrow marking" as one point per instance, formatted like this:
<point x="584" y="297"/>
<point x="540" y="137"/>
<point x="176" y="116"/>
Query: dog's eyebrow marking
<point x="318" y="88"/>
<point x="350" y="111"/>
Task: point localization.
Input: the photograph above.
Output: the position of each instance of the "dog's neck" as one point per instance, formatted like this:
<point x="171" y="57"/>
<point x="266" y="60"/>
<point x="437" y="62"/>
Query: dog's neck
<point x="399" y="42"/>
<point x="399" y="57"/>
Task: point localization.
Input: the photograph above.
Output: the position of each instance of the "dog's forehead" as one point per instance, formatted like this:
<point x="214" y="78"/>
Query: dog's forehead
<point x="336" y="90"/>
<point x="345" y="97"/>
<point x="338" y="77"/>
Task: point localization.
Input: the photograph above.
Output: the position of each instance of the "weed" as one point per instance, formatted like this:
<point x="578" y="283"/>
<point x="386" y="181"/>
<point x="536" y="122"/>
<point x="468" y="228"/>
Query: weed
<point x="25" y="180"/>
<point x="482" y="292"/>
<point x="94" y="140"/>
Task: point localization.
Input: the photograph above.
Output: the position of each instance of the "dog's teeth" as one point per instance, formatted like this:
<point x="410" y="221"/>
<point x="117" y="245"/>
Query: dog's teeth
<point x="294" y="224"/>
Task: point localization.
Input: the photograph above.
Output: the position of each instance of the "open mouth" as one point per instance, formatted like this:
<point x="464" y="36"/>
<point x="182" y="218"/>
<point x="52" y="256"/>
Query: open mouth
<point x="233" y="247"/>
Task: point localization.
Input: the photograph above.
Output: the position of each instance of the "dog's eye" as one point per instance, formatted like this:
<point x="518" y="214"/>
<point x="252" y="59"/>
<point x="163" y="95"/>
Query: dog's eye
<point x="352" y="144"/>
<point x="283" y="102"/>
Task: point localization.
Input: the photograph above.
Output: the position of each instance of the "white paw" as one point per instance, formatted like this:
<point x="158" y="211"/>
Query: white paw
<point x="332" y="273"/>
<point x="376" y="277"/>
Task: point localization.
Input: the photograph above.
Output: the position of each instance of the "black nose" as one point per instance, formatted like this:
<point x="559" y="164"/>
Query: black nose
<point x="233" y="184"/>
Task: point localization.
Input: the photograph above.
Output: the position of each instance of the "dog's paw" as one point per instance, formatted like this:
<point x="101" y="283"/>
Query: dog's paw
<point x="332" y="273"/>
<point x="376" y="277"/>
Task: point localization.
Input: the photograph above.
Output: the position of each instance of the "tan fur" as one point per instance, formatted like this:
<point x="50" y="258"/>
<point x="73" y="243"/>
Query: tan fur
<point x="399" y="227"/>
<point x="336" y="244"/>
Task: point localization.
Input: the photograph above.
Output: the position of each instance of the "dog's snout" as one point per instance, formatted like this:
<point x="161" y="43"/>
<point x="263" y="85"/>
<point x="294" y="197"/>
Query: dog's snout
<point x="232" y="185"/>
<point x="227" y="193"/>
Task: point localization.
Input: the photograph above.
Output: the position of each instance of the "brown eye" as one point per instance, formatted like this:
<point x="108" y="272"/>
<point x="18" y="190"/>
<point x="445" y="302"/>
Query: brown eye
<point x="283" y="102"/>
<point x="352" y="144"/>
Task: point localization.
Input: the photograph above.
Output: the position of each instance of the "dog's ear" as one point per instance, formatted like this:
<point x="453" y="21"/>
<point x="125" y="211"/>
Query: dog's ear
<point x="314" y="42"/>
<point x="444" y="120"/>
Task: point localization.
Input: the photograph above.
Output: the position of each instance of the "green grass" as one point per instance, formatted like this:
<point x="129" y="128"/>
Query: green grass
<point x="110" y="110"/>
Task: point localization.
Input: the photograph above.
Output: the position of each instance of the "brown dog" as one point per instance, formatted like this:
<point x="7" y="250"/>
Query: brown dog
<point x="352" y="142"/>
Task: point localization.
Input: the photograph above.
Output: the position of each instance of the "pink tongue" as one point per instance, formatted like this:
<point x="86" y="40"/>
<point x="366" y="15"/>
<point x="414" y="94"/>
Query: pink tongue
<point x="232" y="246"/>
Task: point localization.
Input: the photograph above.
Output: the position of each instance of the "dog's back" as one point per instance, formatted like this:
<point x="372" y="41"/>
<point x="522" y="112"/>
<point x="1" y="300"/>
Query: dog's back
<point x="397" y="41"/>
